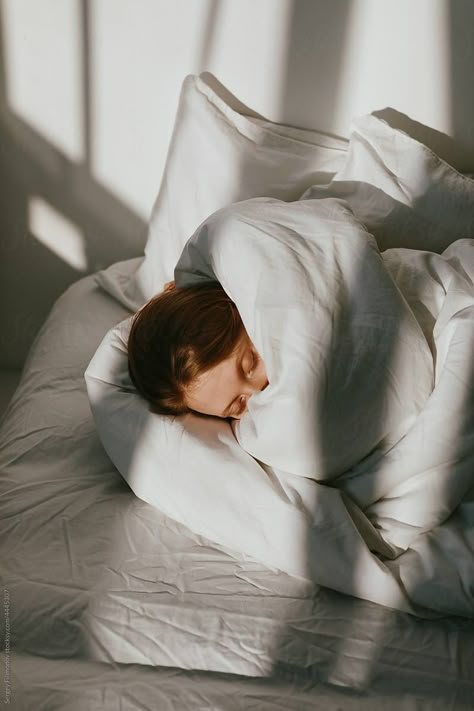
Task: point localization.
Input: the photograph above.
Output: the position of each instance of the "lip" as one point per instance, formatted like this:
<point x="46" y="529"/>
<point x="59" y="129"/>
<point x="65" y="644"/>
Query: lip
<point x="266" y="385"/>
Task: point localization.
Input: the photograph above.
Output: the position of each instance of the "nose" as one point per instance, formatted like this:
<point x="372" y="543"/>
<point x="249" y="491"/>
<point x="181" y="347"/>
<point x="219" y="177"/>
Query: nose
<point x="250" y="391"/>
<point x="251" y="388"/>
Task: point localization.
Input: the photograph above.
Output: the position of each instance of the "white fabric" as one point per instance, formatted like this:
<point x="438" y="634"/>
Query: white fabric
<point x="107" y="595"/>
<point x="403" y="192"/>
<point x="350" y="369"/>
<point x="193" y="469"/>
<point x="109" y="598"/>
<point x="216" y="157"/>
<point x="348" y="364"/>
<point x="259" y="516"/>
<point x="420" y="482"/>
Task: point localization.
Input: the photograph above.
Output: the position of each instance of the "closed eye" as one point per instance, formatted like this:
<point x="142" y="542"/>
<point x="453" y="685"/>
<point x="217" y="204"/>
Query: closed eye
<point x="240" y="403"/>
<point x="242" y="400"/>
<point x="253" y="365"/>
<point x="239" y="406"/>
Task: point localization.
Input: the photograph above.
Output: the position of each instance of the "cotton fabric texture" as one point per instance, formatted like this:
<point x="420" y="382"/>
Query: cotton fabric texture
<point x="289" y="501"/>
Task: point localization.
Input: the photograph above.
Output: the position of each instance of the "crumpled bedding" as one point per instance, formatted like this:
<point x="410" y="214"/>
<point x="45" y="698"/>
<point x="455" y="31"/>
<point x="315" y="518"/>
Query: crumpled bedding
<point x="348" y="364"/>
<point x="113" y="603"/>
<point x="418" y="484"/>
<point x="369" y="359"/>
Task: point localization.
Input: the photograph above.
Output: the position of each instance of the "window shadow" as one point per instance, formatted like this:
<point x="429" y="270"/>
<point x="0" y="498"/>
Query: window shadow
<point x="461" y="22"/>
<point x="311" y="83"/>
<point x="31" y="166"/>
<point x="376" y="647"/>
<point x="328" y="639"/>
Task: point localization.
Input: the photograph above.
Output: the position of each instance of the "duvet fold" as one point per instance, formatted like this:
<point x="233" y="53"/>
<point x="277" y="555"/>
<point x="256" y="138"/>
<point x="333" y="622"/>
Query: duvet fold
<point x="368" y="355"/>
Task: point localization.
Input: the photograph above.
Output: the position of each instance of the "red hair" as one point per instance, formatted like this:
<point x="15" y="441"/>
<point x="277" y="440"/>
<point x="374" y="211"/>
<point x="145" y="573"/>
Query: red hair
<point x="176" y="337"/>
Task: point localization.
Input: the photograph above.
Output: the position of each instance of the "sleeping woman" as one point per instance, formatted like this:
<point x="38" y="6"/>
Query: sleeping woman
<point x="188" y="350"/>
<point x="359" y="403"/>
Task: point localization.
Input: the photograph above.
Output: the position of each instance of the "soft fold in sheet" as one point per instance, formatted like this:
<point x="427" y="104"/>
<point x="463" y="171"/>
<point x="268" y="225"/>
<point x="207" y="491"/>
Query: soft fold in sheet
<point x="364" y="397"/>
<point x="348" y="364"/>
<point x="112" y="602"/>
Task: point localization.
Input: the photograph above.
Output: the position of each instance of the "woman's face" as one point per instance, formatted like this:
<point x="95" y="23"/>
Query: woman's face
<point x="224" y="390"/>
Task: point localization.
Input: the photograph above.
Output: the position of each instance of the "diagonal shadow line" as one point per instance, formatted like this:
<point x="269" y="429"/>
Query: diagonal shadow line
<point x="385" y="624"/>
<point x="315" y="56"/>
<point x="112" y="230"/>
<point x="446" y="147"/>
<point x="457" y="150"/>
<point x="87" y="80"/>
<point x="209" y="35"/>
<point x="461" y="22"/>
<point x="303" y="64"/>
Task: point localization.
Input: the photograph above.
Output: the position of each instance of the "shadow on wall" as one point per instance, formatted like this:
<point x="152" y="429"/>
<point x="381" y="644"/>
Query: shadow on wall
<point x="347" y="642"/>
<point x="109" y="228"/>
<point x="461" y="20"/>
<point x="457" y="149"/>
<point x="446" y="147"/>
<point x="39" y="182"/>
<point x="369" y="635"/>
<point x="104" y="229"/>
<point x="312" y="81"/>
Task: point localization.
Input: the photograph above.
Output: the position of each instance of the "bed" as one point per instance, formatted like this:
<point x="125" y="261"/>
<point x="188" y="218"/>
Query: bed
<point x="109" y="603"/>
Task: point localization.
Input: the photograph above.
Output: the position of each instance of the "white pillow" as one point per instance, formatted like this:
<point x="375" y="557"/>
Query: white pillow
<point x="193" y="470"/>
<point x="403" y="192"/>
<point x="217" y="157"/>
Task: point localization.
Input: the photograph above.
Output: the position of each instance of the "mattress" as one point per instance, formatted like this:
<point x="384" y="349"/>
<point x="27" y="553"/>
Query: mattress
<point x="110" y="604"/>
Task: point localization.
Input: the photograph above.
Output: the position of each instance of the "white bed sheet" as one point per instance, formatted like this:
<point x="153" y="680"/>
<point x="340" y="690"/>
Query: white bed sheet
<point x="112" y="604"/>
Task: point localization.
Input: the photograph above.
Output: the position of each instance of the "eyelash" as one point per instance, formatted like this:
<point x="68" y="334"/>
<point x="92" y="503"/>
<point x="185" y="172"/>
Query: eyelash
<point x="242" y="405"/>
<point x="254" y="363"/>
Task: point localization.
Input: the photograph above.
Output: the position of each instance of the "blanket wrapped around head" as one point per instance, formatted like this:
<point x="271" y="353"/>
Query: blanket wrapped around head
<point x="346" y="469"/>
<point x="348" y="364"/>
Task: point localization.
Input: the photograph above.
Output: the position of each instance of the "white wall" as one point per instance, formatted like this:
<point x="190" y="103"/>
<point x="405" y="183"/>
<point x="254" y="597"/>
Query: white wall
<point x="89" y="90"/>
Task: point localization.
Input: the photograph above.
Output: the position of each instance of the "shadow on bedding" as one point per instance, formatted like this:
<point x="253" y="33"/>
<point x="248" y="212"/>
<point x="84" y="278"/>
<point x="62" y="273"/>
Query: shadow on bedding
<point x="58" y="221"/>
<point x="89" y="579"/>
<point x="353" y="643"/>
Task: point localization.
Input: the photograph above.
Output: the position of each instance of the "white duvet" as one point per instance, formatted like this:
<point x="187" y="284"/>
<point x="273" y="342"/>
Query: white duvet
<point x="348" y="364"/>
<point x="370" y="362"/>
<point x="110" y="599"/>
<point x="354" y="468"/>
